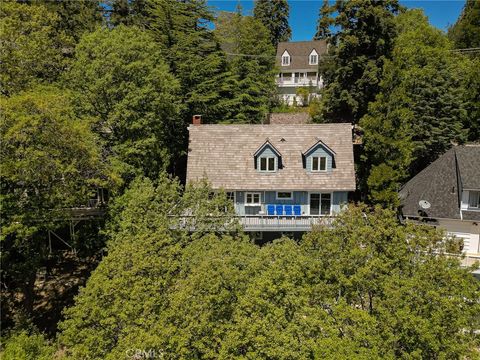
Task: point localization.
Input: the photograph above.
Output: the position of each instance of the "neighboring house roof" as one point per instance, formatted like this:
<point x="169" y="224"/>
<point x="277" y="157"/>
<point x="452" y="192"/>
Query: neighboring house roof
<point x="299" y="52"/>
<point x="441" y="184"/>
<point x="289" y="118"/>
<point x="468" y="158"/>
<point x="225" y="155"/>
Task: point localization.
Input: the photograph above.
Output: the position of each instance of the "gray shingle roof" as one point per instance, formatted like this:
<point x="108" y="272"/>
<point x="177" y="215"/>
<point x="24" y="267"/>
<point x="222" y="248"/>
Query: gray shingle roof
<point x="441" y="184"/>
<point x="299" y="52"/>
<point x="224" y="154"/>
<point x="468" y="158"/>
<point x="289" y="118"/>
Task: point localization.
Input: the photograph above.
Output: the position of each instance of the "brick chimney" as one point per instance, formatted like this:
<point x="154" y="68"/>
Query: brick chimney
<point x="197" y="120"/>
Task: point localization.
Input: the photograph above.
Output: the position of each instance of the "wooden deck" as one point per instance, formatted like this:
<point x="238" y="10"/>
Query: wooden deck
<point x="283" y="223"/>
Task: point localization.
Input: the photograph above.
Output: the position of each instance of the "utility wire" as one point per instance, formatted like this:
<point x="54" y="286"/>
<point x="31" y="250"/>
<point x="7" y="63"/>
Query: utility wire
<point x="466" y="50"/>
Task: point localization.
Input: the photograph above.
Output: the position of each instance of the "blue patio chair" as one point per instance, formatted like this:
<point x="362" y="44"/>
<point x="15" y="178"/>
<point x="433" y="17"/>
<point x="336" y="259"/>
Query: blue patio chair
<point x="270" y="209"/>
<point x="297" y="210"/>
<point x="279" y="209"/>
<point x="288" y="210"/>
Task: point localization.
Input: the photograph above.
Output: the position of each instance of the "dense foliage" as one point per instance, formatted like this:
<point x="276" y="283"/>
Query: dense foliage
<point x="120" y="81"/>
<point x="51" y="161"/>
<point x="273" y="14"/>
<point x="98" y="95"/>
<point x="368" y="288"/>
<point x="419" y="111"/>
<point x="32" y="46"/>
<point x="252" y="65"/>
<point x="359" y="47"/>
<point x="465" y="33"/>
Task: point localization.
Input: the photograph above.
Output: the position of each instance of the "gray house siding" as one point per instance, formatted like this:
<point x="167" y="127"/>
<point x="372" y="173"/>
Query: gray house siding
<point x="339" y="198"/>
<point x="319" y="151"/>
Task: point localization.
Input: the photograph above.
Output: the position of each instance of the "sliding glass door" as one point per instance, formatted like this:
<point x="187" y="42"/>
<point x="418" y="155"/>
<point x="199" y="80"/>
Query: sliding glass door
<point x="320" y="203"/>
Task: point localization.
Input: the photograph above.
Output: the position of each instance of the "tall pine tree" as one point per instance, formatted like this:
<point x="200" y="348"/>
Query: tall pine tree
<point x="364" y="40"/>
<point x="273" y="14"/>
<point x="465" y="33"/>
<point x="194" y="55"/>
<point x="419" y="111"/>
<point x="325" y="21"/>
<point x="252" y="64"/>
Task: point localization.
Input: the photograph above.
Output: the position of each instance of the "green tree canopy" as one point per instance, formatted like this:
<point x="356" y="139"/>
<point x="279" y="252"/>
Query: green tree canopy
<point x="75" y="17"/>
<point x="465" y="33"/>
<point x="324" y="22"/>
<point x="420" y="110"/>
<point x="273" y="14"/>
<point x="28" y="346"/>
<point x="368" y="288"/>
<point x="149" y="229"/>
<point x="252" y="65"/>
<point x="195" y="57"/>
<point x="120" y="79"/>
<point x="33" y="47"/>
<point x="352" y="72"/>
<point x="51" y="161"/>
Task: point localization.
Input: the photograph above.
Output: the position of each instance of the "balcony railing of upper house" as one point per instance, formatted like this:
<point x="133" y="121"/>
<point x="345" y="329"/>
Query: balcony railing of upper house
<point x="297" y="82"/>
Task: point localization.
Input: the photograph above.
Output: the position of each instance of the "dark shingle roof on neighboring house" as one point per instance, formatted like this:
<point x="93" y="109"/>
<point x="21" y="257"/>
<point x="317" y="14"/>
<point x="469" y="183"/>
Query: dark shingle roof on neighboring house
<point x="299" y="52"/>
<point x="225" y="155"/>
<point x="468" y="158"/>
<point x="441" y="184"/>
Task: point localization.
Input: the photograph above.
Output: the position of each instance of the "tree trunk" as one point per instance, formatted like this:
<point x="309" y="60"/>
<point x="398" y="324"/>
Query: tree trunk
<point x="28" y="290"/>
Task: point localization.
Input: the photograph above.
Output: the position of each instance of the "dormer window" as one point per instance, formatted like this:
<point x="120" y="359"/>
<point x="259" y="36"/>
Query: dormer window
<point x="268" y="163"/>
<point x="285" y="58"/>
<point x="319" y="163"/>
<point x="267" y="158"/>
<point x="319" y="158"/>
<point x="313" y="58"/>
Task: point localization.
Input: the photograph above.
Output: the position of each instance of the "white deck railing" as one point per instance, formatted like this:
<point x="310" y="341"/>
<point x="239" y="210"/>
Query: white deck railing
<point x="265" y="222"/>
<point x="298" y="82"/>
<point x="283" y="223"/>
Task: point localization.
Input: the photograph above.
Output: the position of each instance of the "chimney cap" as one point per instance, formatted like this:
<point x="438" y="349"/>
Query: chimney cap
<point x="197" y="119"/>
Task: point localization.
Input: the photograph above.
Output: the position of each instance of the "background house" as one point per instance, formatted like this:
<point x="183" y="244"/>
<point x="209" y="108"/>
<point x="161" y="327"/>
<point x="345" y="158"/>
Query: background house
<point x="281" y="178"/>
<point x="298" y="67"/>
<point x="447" y="194"/>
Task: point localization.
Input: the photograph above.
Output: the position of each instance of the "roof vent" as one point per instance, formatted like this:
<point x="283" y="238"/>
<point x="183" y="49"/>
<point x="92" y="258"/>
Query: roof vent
<point x="424" y="204"/>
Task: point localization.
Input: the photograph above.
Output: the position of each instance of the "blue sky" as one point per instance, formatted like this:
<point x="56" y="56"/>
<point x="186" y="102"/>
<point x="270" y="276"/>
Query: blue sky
<point x="304" y="14"/>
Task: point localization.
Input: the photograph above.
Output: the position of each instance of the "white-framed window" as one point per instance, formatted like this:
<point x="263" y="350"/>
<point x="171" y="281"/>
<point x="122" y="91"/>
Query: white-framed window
<point x="319" y="163"/>
<point x="313" y="58"/>
<point x="285" y="58"/>
<point x="267" y="163"/>
<point x="252" y="199"/>
<point x="284" y="195"/>
<point x="474" y="199"/>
